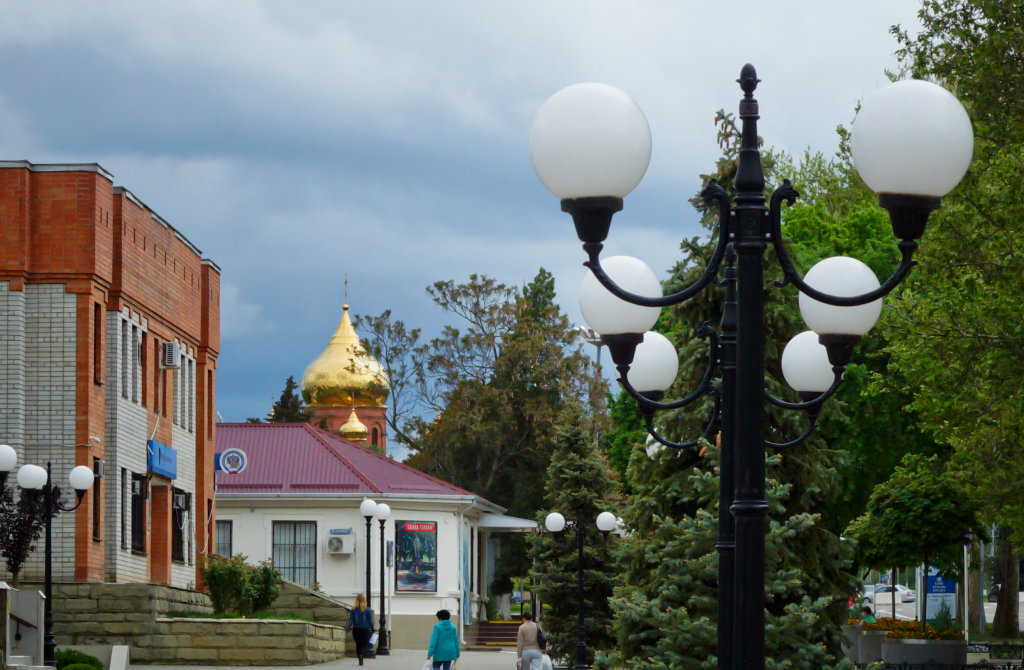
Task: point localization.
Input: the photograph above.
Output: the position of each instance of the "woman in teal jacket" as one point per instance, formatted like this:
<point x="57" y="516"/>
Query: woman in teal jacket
<point x="444" y="642"/>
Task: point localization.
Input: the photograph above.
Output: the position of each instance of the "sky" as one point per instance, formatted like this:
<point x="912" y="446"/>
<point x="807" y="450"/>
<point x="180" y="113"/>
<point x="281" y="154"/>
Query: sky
<point x="299" y="141"/>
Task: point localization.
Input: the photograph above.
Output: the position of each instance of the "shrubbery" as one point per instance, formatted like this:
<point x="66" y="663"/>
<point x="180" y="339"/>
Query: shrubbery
<point x="73" y="659"/>
<point x="237" y="587"/>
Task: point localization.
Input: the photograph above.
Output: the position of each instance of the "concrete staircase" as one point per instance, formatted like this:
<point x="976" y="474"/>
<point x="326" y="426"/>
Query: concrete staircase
<point x="491" y="634"/>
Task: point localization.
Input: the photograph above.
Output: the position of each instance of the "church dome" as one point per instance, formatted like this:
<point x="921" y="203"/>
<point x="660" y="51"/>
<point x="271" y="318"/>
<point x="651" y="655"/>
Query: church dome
<point x="345" y="374"/>
<point x="354" y="429"/>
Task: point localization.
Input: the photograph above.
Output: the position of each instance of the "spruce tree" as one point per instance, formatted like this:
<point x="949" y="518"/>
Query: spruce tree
<point x="580" y="486"/>
<point x="289" y="408"/>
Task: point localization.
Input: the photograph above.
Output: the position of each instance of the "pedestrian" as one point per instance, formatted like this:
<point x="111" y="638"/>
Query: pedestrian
<point x="868" y="615"/>
<point x="360" y="622"/>
<point x="527" y="645"/>
<point x="444" y="642"/>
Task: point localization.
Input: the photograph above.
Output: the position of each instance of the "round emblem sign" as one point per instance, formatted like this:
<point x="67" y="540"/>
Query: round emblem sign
<point x="233" y="461"/>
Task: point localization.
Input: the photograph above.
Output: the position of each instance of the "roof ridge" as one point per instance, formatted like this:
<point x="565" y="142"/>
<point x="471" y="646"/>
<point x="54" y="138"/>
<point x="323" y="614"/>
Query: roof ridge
<point x="319" y="435"/>
<point x="392" y="461"/>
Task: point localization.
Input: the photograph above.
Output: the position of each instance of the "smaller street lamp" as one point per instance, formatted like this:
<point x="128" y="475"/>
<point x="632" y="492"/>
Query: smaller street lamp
<point x="606" y="522"/>
<point x="382" y="513"/>
<point x="368" y="508"/>
<point x="37" y="484"/>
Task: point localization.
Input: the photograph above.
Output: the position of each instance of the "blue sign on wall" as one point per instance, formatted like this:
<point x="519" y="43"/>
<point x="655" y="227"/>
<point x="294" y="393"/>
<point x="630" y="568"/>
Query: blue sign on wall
<point x="163" y="460"/>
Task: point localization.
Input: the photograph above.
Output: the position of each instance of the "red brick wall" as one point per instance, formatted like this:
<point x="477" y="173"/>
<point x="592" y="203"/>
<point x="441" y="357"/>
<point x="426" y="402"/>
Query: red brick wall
<point x="71" y="225"/>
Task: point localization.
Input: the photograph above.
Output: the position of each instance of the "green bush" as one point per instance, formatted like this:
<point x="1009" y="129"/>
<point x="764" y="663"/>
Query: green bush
<point x="235" y="586"/>
<point x="73" y="659"/>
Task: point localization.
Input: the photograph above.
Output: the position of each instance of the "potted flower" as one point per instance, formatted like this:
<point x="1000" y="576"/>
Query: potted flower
<point x="869" y="647"/>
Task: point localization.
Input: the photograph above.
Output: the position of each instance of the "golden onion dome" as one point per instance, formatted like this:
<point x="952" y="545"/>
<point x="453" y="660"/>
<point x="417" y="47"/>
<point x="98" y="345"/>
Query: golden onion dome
<point x="353" y="429"/>
<point x="345" y="374"/>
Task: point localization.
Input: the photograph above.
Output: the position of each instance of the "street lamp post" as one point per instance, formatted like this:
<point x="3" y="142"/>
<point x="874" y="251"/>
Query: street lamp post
<point x="382" y="514"/>
<point x="368" y="508"/>
<point x="555" y="523"/>
<point x="590" y="145"/>
<point x="37" y="484"/>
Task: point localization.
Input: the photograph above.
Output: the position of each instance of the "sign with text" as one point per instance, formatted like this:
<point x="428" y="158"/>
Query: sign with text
<point x="941" y="590"/>
<point x="416" y="556"/>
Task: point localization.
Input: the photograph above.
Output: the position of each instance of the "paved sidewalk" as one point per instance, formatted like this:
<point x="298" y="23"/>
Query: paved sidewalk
<point x="399" y="659"/>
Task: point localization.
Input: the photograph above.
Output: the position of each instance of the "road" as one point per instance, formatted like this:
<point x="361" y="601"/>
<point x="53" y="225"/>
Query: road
<point x="908" y="611"/>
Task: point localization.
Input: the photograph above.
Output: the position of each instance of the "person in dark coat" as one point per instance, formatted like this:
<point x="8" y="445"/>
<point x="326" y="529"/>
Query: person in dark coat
<point x="360" y="622"/>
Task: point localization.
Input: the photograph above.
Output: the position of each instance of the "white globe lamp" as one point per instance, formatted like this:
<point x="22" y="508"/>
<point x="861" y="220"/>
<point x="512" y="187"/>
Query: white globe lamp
<point x="609" y="315"/>
<point x="590" y="140"/>
<point x="805" y="364"/>
<point x="844" y="277"/>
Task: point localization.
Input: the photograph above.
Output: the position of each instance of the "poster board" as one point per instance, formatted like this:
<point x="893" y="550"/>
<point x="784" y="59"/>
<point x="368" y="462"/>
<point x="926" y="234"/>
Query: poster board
<point x="416" y="556"/>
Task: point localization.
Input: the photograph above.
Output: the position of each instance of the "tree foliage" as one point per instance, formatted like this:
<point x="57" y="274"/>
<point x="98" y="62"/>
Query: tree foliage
<point x="289" y="407"/>
<point x="958" y="336"/>
<point x="921" y="515"/>
<point x="21" y="523"/>
<point x="579" y="486"/>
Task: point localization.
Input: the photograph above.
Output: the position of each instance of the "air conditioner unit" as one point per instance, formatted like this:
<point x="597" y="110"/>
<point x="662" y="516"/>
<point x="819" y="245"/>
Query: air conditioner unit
<point x="340" y="544"/>
<point x="99" y="467"/>
<point x="172" y="355"/>
<point x="136" y="487"/>
<point x="181" y="500"/>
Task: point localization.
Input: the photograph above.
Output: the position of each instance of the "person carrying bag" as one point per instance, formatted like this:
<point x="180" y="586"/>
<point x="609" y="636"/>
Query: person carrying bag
<point x="528" y="648"/>
<point x="360" y="623"/>
<point x="444" y="644"/>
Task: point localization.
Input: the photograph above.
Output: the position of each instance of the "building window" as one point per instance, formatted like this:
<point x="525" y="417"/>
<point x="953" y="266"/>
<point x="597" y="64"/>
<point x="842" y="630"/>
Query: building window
<point x="209" y="403"/>
<point x="124" y="359"/>
<point x="180" y="505"/>
<point x="295" y="551"/>
<point x="135" y="363"/>
<point x="375" y="439"/>
<point x="140" y="491"/>
<point x="97" y="343"/>
<point x="224" y="535"/>
<point x="97" y="502"/>
<point x="125" y="507"/>
<point x="144" y="362"/>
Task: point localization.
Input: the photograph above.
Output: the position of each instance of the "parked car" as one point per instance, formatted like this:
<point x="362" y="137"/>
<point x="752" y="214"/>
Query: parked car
<point x="880" y="594"/>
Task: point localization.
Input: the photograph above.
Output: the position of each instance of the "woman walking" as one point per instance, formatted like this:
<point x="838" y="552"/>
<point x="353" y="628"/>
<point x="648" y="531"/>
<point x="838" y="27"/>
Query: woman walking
<point x="444" y="642"/>
<point x="360" y="622"/>
<point x="528" y="644"/>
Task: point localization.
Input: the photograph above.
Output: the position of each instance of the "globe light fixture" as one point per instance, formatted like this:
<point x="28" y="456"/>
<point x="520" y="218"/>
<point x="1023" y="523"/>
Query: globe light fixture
<point x="610" y="315"/>
<point x="912" y="137"/>
<point x="655" y="364"/>
<point x="805" y="364"/>
<point x="840" y="276"/>
<point x="81" y="478"/>
<point x="590" y="145"/>
<point x="32" y="477"/>
<point x="590" y="140"/>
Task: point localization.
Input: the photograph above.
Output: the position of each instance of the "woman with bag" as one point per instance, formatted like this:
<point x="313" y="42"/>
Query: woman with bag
<point x="528" y="647"/>
<point x="360" y="622"/>
<point x="444" y="642"/>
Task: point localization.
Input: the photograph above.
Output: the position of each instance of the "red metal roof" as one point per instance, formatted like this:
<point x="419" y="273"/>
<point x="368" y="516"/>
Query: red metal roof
<point x="299" y="458"/>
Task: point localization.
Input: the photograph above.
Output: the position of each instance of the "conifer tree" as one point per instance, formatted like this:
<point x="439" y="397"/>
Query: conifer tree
<point x="289" y="408"/>
<point x="579" y="485"/>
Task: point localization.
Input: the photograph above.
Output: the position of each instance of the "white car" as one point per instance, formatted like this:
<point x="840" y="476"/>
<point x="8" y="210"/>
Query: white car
<point x="880" y="594"/>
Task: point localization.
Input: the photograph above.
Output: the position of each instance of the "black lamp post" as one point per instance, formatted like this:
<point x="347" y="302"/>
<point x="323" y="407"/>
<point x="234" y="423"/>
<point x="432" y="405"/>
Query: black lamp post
<point x="590" y="145"/>
<point x="36" y="483"/>
<point x="368" y="508"/>
<point x="382" y="514"/>
<point x="555" y="523"/>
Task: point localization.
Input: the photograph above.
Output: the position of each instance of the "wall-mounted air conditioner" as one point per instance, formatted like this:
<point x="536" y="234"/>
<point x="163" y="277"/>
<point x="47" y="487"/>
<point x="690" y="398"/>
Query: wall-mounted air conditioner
<point x="181" y="500"/>
<point x="340" y="544"/>
<point x="172" y="355"/>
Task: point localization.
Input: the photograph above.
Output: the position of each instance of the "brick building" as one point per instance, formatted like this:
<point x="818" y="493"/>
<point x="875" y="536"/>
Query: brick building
<point x="109" y="337"/>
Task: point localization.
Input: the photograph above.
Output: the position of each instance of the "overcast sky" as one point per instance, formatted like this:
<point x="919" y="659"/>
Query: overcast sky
<point x="296" y="141"/>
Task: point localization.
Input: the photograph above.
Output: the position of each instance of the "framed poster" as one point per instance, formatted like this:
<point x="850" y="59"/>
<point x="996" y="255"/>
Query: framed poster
<point x="416" y="556"/>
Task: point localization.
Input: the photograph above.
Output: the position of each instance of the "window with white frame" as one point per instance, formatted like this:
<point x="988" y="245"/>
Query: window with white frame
<point x="225" y="529"/>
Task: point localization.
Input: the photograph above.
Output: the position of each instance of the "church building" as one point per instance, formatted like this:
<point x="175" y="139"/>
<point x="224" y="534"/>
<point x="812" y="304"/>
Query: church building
<point x="292" y="492"/>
